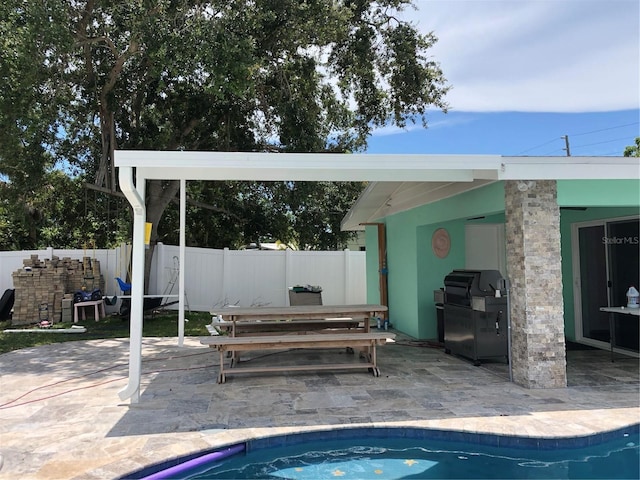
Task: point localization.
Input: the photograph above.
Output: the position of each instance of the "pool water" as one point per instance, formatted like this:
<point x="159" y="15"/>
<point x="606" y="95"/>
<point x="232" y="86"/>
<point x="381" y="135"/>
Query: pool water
<point x="423" y="458"/>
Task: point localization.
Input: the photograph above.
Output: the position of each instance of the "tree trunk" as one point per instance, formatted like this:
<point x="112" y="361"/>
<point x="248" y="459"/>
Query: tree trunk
<point x="159" y="194"/>
<point x="103" y="179"/>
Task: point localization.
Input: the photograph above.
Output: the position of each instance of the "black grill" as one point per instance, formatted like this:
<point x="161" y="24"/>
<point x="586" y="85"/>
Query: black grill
<point x="475" y="314"/>
<point x="461" y="286"/>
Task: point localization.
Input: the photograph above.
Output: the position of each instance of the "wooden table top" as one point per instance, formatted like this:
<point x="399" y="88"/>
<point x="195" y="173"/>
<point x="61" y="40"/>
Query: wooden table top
<point x="299" y="311"/>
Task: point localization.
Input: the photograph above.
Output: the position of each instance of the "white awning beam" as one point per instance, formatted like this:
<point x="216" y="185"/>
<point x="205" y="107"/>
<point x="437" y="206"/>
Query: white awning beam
<point x="306" y="166"/>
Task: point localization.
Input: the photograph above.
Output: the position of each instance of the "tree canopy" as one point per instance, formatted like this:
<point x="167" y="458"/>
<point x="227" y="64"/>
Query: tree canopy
<point x="633" y="150"/>
<point x="81" y="78"/>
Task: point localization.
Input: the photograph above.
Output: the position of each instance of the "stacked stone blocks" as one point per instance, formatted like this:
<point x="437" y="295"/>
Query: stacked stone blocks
<point x="43" y="287"/>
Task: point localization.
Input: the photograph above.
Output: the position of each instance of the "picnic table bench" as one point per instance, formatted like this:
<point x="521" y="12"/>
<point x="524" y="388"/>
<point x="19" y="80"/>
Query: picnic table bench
<point x="270" y="327"/>
<point x="237" y="321"/>
<point x="300" y="326"/>
<point x="369" y="340"/>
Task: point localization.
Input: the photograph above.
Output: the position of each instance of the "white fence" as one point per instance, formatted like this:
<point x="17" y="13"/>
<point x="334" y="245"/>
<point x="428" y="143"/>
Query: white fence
<point x="224" y="277"/>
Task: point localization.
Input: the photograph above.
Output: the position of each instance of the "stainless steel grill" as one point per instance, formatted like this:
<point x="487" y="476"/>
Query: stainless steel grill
<point x="475" y="314"/>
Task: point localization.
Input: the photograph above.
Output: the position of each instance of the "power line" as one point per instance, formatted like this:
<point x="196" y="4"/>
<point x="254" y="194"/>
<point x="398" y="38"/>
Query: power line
<point x="604" y="129"/>
<point x="577" y="135"/>
<point x="537" y="146"/>
<point x="610" y="154"/>
<point x="599" y="143"/>
<point x="552" y="151"/>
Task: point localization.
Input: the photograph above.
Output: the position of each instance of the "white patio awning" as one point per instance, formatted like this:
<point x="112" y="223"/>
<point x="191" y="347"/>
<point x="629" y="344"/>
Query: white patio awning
<point x="413" y="178"/>
<point x="374" y="168"/>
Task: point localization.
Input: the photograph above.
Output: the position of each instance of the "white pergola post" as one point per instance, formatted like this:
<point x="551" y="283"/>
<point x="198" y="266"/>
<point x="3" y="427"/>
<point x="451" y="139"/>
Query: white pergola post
<point x="181" y="276"/>
<point x="135" y="193"/>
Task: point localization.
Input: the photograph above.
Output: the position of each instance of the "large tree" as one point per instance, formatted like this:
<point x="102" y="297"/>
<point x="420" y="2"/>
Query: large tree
<point x="92" y="76"/>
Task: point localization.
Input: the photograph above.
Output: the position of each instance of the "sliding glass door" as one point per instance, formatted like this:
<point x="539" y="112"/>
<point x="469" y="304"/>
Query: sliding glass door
<point x="593" y="284"/>
<point x="607" y="260"/>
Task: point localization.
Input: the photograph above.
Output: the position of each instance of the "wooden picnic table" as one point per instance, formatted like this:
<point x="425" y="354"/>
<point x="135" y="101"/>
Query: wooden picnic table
<point x="306" y="326"/>
<point x="295" y="318"/>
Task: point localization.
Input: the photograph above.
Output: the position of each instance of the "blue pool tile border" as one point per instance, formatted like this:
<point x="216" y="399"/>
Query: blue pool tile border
<point x="415" y="433"/>
<point x="507" y="441"/>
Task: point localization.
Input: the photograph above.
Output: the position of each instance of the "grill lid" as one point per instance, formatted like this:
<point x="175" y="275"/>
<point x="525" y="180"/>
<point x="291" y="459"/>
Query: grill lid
<point x="461" y="285"/>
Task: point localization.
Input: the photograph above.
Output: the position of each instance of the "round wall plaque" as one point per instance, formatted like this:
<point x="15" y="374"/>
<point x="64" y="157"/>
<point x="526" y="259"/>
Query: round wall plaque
<point x="441" y="243"/>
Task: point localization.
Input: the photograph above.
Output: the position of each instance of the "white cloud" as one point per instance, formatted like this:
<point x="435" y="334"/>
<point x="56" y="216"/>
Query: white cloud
<point x="440" y="122"/>
<point x="536" y="55"/>
<point x="432" y="124"/>
<point x="395" y="130"/>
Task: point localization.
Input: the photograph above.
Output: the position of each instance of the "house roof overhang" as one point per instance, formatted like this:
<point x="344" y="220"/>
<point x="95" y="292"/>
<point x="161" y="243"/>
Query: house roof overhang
<point x="177" y="165"/>
<point x="397" y="182"/>
<point x="379" y="199"/>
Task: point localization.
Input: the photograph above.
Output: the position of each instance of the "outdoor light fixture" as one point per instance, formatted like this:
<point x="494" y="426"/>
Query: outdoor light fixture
<point x="524" y="186"/>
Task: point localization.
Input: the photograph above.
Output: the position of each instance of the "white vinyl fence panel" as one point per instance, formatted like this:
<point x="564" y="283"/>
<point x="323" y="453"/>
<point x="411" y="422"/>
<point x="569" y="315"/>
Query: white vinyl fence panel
<point x="215" y="278"/>
<point x="12" y="261"/>
<point x="223" y="277"/>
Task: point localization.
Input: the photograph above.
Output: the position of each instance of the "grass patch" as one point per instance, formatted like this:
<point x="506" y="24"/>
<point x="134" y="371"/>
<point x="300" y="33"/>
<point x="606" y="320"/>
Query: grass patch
<point x="164" y="324"/>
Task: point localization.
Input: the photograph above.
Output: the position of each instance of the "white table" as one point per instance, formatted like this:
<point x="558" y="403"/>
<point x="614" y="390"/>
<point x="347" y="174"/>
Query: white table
<point x="98" y="306"/>
<point x="612" y="321"/>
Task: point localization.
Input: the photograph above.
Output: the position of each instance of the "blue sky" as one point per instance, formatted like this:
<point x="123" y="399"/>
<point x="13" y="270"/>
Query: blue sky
<point x="524" y="73"/>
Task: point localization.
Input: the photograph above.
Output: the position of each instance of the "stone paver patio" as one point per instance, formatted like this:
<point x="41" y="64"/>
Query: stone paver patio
<point x="61" y="417"/>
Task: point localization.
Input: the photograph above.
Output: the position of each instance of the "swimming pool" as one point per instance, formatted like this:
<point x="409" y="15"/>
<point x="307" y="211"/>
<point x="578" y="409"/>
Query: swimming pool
<point x="394" y="453"/>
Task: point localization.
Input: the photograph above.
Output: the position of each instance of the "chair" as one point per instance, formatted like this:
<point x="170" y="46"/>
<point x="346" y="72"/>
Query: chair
<point x="148" y="304"/>
<point x="124" y="286"/>
<point x="304" y="298"/>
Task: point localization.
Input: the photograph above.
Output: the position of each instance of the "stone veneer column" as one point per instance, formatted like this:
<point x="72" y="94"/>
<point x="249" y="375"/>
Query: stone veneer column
<point x="534" y="268"/>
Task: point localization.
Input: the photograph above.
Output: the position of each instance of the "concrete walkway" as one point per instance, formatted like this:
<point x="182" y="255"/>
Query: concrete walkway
<point x="61" y="418"/>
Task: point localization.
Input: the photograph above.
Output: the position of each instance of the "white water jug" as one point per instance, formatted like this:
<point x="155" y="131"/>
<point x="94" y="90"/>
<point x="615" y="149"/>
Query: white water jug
<point x="632" y="298"/>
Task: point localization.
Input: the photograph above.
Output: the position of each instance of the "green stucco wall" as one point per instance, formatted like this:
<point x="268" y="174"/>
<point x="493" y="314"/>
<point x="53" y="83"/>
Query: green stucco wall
<point x="600" y="193"/>
<point x="415" y="271"/>
<point x="372" y="262"/>
<point x="432" y="270"/>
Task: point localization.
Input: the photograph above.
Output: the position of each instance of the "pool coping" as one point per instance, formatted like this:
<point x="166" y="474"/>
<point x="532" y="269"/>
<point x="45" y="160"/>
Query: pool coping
<point x="168" y="468"/>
